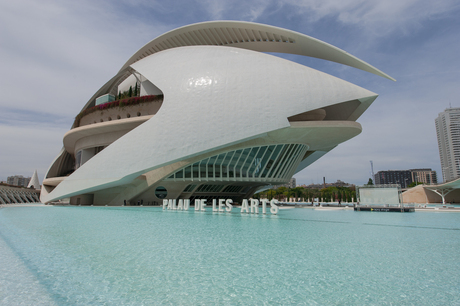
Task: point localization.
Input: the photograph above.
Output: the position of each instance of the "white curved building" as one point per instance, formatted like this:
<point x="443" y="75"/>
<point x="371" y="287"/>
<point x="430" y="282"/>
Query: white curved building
<point x="215" y="118"/>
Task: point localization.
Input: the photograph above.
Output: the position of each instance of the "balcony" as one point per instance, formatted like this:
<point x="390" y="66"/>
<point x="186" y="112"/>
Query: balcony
<point x="119" y="109"/>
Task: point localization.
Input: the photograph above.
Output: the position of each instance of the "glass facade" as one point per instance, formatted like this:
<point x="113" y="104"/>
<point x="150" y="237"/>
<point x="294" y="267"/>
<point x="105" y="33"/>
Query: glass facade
<point x="264" y="163"/>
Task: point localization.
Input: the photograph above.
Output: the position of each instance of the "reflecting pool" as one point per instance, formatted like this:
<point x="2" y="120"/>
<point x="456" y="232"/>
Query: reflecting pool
<point x="144" y="255"/>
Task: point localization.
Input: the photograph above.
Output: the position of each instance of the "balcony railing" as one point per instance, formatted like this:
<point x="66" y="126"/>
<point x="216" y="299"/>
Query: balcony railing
<point x="118" y="103"/>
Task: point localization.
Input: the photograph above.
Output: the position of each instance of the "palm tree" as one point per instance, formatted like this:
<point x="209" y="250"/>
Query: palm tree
<point x="298" y="192"/>
<point x="280" y="191"/>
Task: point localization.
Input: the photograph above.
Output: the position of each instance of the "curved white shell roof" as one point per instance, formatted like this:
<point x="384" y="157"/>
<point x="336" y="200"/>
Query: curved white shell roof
<point x="251" y="36"/>
<point x="213" y="97"/>
<point x="239" y="34"/>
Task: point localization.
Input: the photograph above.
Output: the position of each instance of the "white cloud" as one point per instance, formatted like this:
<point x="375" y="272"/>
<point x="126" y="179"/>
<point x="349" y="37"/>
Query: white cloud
<point x="378" y="18"/>
<point x="57" y="54"/>
<point x="215" y="8"/>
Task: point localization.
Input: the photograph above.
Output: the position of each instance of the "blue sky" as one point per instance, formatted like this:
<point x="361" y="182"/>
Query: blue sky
<point x="55" y="54"/>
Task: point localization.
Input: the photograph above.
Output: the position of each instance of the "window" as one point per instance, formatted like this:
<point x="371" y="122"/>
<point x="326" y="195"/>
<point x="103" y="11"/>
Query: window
<point x="78" y="160"/>
<point x="161" y="192"/>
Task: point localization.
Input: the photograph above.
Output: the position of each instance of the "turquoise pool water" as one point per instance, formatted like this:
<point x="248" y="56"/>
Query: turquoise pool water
<point x="147" y="256"/>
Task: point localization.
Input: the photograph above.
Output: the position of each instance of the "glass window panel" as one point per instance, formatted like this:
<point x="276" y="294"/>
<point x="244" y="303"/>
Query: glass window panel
<point x="282" y="160"/>
<point x="203" y="168"/>
<point x="299" y="152"/>
<point x="272" y="163"/>
<point x="233" y="161"/>
<point x="277" y="160"/>
<point x="217" y="165"/>
<point x="188" y="172"/>
<point x="247" y="162"/>
<point x="264" y="164"/>
<point x="210" y="171"/>
<point x="78" y="160"/>
<point x="224" y="171"/>
<point x="258" y="161"/>
<point x="287" y="158"/>
<point x="289" y="161"/>
<point x="225" y="163"/>
<point x="239" y="162"/>
<point x="252" y="163"/>
<point x="256" y="167"/>
<point x="220" y="159"/>
<point x="195" y="170"/>
<point x="243" y="157"/>
<point x="211" y="160"/>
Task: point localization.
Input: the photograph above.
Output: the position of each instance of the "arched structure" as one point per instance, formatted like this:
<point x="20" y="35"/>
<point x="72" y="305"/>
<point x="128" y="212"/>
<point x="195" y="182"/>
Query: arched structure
<point x="216" y="118"/>
<point x="251" y="36"/>
<point x="15" y="195"/>
<point x="446" y="188"/>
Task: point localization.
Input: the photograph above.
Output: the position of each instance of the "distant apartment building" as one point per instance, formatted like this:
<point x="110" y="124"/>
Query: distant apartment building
<point x="401" y="177"/>
<point x="405" y="177"/>
<point x="292" y="184"/>
<point x="448" y="132"/>
<point x="425" y="176"/>
<point x="18" y="180"/>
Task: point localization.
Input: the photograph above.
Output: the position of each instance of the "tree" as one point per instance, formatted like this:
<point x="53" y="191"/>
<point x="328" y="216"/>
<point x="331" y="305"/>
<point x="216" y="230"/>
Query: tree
<point x="271" y="194"/>
<point x="280" y="191"/>
<point x="130" y="92"/>
<point x="370" y="182"/>
<point x="298" y="192"/>
<point x="413" y="184"/>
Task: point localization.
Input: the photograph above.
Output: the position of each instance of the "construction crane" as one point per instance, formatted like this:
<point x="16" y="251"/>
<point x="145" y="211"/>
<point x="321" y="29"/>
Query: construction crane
<point x="372" y="172"/>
